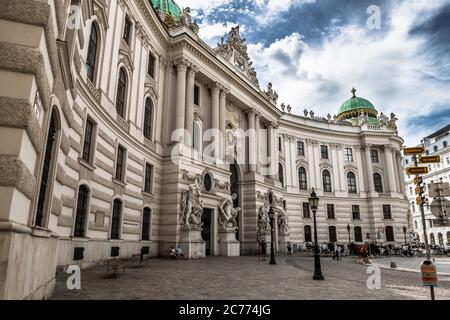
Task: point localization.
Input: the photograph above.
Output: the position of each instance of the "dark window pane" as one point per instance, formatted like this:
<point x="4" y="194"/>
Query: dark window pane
<point x="148" y="115"/>
<point x="121" y="91"/>
<point x="120" y="163"/>
<point x="326" y="179"/>
<point x="332" y="234"/>
<point x="127" y="30"/>
<point x="330" y="211"/>
<point x="374" y="156"/>
<point x="197" y="95"/>
<point x="300" y="148"/>
<point x="378" y="183"/>
<point x="81" y="212"/>
<point x="306" y="212"/>
<point x="151" y="66"/>
<point x="148" y="178"/>
<point x="387" y="211"/>
<point x="146" y="224"/>
<point x="92" y="53"/>
<point x="351" y="182"/>
<point x="281" y="174"/>
<point x="390" y="233"/>
<point x="358" y="234"/>
<point x="308" y="236"/>
<point x="87" y="145"/>
<point x="303" y="185"/>
<point x="324" y="152"/>
<point x="356" y="213"/>
<point x="115" y="223"/>
<point x="51" y="136"/>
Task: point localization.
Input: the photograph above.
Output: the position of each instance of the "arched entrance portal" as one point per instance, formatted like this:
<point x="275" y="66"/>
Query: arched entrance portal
<point x="234" y="181"/>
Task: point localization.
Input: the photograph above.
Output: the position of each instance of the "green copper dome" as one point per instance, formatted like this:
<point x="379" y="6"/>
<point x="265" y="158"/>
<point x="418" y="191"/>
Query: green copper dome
<point x="354" y="106"/>
<point x="168" y="7"/>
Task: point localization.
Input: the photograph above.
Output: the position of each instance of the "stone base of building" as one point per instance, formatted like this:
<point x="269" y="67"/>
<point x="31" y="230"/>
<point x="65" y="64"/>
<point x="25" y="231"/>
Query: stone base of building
<point x="228" y="245"/>
<point x="193" y="244"/>
<point x="283" y="239"/>
<point x="27" y="263"/>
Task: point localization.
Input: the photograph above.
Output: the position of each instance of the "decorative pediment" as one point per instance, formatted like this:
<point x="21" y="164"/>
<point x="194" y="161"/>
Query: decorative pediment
<point x="350" y="167"/>
<point x="234" y="50"/>
<point x="125" y="58"/>
<point x="150" y="87"/>
<point x="100" y="10"/>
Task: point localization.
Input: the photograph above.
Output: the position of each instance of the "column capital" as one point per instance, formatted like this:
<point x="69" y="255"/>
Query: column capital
<point x="181" y="63"/>
<point x="250" y="112"/>
<point x="225" y="91"/>
<point x="163" y="62"/>
<point x="193" y="69"/>
<point x="215" y="87"/>
<point x="367" y="146"/>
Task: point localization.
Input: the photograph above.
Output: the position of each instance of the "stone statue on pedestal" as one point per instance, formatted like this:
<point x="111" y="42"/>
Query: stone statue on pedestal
<point x="283" y="221"/>
<point x="263" y="218"/>
<point x="191" y="207"/>
<point x="228" y="214"/>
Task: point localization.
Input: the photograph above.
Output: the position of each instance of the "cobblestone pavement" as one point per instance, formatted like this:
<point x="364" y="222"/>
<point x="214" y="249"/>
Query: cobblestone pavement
<point x="245" y="278"/>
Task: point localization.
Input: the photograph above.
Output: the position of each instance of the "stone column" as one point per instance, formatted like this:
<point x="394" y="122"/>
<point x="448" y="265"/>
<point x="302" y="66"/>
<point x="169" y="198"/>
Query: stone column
<point x="222" y="119"/>
<point x="369" y="167"/>
<point x="400" y="169"/>
<point x="270" y="150"/>
<point x="258" y="153"/>
<point x="189" y="121"/>
<point x="312" y="168"/>
<point x="251" y="140"/>
<point x="215" y="120"/>
<point x="335" y="162"/>
<point x="182" y="65"/>
<point x="359" y="165"/>
<point x="340" y="168"/>
<point x="390" y="168"/>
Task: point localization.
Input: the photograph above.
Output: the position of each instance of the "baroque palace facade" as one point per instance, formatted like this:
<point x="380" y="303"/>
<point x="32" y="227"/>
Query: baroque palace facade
<point x="91" y="165"/>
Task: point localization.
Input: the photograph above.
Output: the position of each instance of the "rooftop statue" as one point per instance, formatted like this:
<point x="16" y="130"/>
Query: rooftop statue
<point x="271" y="94"/>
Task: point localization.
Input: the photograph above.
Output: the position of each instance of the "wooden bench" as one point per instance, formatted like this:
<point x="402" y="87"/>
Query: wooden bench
<point x="114" y="266"/>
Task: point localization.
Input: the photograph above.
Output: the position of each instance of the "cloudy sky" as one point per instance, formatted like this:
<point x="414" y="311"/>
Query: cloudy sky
<point x="315" y="51"/>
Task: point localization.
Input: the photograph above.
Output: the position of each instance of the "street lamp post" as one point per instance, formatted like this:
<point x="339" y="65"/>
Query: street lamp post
<point x="404" y="232"/>
<point x="272" y="248"/>
<point x="313" y="204"/>
<point x="348" y="230"/>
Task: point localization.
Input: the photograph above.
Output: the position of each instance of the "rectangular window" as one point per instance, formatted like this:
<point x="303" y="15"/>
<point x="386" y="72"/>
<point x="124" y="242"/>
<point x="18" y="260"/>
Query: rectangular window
<point x="330" y="211"/>
<point x="88" y="140"/>
<point x="279" y="144"/>
<point x="374" y="156"/>
<point x="306" y="212"/>
<point x="348" y="153"/>
<point x="196" y="95"/>
<point x="120" y="165"/>
<point x="300" y="148"/>
<point x="148" y="178"/>
<point x="387" y="211"/>
<point x="356" y="215"/>
<point x="151" y="66"/>
<point x="127" y="30"/>
<point x="324" y="152"/>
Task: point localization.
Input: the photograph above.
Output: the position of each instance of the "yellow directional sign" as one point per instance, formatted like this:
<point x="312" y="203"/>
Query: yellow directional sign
<point x="419" y="201"/>
<point x="430" y="159"/>
<point x="417" y="190"/>
<point x="417" y="170"/>
<point x="413" y="151"/>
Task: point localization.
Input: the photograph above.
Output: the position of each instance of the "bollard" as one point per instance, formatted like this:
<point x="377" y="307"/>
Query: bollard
<point x="393" y="265"/>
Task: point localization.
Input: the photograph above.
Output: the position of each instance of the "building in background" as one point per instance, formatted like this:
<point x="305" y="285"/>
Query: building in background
<point x="91" y="93"/>
<point x="435" y="144"/>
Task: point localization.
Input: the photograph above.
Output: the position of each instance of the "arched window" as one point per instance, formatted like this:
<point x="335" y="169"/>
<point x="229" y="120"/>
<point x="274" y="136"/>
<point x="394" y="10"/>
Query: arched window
<point x="50" y="155"/>
<point x="121" y="93"/>
<point x="326" y="180"/>
<point x="432" y="239"/>
<point x="91" y="59"/>
<point x="302" y="182"/>
<point x="116" y="219"/>
<point x="196" y="139"/>
<point x="146" y="224"/>
<point x="440" y="239"/>
<point x="390" y="233"/>
<point x="148" y="119"/>
<point x="281" y="174"/>
<point x="81" y="212"/>
<point x="378" y="182"/>
<point x="308" y="235"/>
<point x="358" y="234"/>
<point x="332" y="233"/>
<point x="351" y="182"/>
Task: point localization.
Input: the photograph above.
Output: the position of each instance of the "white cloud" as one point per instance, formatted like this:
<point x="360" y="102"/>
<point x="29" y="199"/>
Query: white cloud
<point x="271" y="9"/>
<point x="205" y="5"/>
<point x="389" y="71"/>
<point x="211" y="33"/>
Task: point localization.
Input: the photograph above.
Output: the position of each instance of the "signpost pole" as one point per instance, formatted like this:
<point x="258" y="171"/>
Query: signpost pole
<point x="422" y="212"/>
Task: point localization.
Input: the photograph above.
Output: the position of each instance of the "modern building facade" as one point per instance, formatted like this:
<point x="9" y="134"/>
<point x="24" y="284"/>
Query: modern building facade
<point x="106" y="111"/>
<point x="435" y="144"/>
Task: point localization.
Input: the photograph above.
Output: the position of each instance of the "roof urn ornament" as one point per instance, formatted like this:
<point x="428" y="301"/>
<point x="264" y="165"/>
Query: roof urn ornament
<point x="289" y="108"/>
<point x="305" y="112"/>
<point x="311" y="114"/>
<point x="283" y="106"/>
